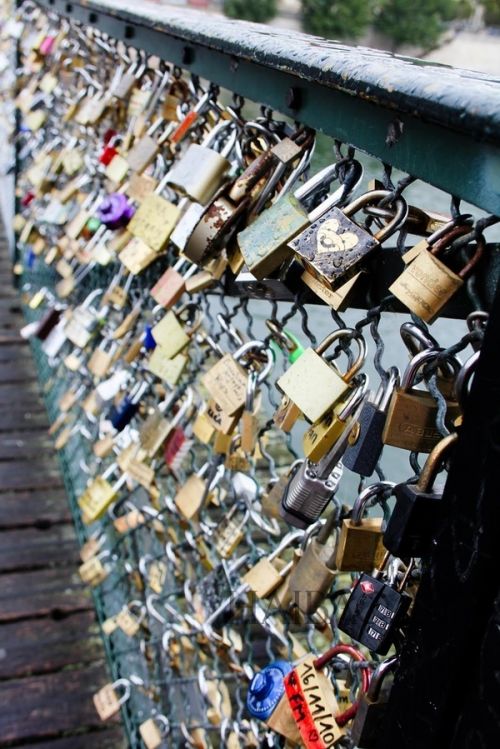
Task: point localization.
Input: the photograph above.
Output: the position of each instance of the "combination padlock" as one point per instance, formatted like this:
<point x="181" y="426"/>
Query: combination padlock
<point x="376" y="609"/>
<point x="419" y="513"/>
<point x="365" y="440"/>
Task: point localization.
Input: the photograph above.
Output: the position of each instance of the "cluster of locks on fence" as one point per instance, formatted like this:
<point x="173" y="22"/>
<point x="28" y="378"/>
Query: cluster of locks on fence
<point x="248" y="599"/>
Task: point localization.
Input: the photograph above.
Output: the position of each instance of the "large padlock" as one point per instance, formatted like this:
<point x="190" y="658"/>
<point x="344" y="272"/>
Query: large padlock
<point x="264" y="244"/>
<point x="419" y="512"/>
<point x="366" y="729"/>
<point x="334" y="246"/>
<point x="365" y="439"/>
<point x="316" y="386"/>
<point x="376" y="608"/>
<point x="200" y="171"/>
<point x="427" y="283"/>
<point x="411" y="416"/>
<point x="360" y="546"/>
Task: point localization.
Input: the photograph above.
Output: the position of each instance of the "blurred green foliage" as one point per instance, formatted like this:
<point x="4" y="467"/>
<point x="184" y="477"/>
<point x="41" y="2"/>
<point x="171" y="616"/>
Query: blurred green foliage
<point x="337" y="19"/>
<point x="251" y="10"/>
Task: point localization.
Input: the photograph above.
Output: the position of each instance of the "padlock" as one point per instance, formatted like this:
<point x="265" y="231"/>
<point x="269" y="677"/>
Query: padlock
<point x="416" y="340"/>
<point x="93" y="571"/>
<point x="130" y="622"/>
<point x="314" y="385"/>
<point x="266" y="576"/>
<point x="376" y="609"/>
<point x="154" y="731"/>
<point x="99" y="495"/>
<point x="412" y="413"/>
<point x="146" y="148"/>
<point x="314" y="573"/>
<point x="427" y="284"/>
<point x="360" y="546"/>
<point x="266" y="699"/>
<point x="172" y="334"/>
<point x="226" y="381"/>
<point x="122" y="414"/>
<point x="195" y="491"/>
<point x="419" y="513"/>
<point x="101" y="358"/>
<point x="171" y="285"/>
<point x="264" y="244"/>
<point x="106" y="701"/>
<point x="323" y="434"/>
<point x="154" y="220"/>
<point x="200" y="171"/>
<point x="334" y="247"/>
<point x="365" y="440"/>
<point x="115" y="211"/>
<point x="366" y="729"/>
<point x="312" y="486"/>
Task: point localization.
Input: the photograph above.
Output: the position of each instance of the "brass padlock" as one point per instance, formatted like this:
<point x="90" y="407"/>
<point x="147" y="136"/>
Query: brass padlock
<point x="360" y="547"/>
<point x="313" y="384"/>
<point x="154" y="220"/>
<point x="106" y="701"/>
<point x="412" y="413"/>
<point x="322" y="435"/>
<point x="427" y="284"/>
<point x="334" y="247"/>
<point x="315" y="571"/>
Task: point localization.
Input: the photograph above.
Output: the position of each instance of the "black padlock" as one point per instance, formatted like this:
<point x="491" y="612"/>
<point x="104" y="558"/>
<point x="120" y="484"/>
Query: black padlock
<point x="419" y="512"/>
<point x="375" y="610"/>
<point x="367" y="724"/>
<point x="365" y="439"/>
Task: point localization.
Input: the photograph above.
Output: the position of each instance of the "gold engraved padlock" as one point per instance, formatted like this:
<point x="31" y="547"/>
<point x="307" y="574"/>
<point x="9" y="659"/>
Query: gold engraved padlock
<point x="411" y="415"/>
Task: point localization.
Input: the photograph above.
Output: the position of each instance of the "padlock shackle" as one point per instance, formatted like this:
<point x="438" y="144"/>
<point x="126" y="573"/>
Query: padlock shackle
<point x="418" y="361"/>
<point x="381" y="487"/>
<point x="356" y="655"/>
<point x="434" y="462"/>
<point x="378" y="677"/>
<point x="386" y="389"/>
<point x="416" y="340"/>
<point x="376" y="196"/>
<point x="353" y="335"/>
<point x="462" y="382"/>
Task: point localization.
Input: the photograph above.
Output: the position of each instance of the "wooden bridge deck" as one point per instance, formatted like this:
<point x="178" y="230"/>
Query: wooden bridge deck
<point x="51" y="657"/>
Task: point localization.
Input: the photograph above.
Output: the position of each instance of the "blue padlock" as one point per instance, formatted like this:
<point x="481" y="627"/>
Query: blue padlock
<point x="122" y="414"/>
<point x="266" y="689"/>
<point x="149" y="341"/>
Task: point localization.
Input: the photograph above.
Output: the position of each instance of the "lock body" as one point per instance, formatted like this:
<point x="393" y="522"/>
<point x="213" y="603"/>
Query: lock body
<point x="414" y="522"/>
<point x="199" y="173"/>
<point x="367" y="724"/>
<point x="360" y="547"/>
<point x="312" y="577"/>
<point x="263" y="244"/>
<point x="365" y="441"/>
<point x="373" y="613"/>
<point x="411" y="420"/>
<point x="333" y="248"/>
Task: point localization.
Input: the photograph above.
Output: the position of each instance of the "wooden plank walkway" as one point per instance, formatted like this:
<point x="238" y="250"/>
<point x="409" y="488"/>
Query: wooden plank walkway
<point x="51" y="656"/>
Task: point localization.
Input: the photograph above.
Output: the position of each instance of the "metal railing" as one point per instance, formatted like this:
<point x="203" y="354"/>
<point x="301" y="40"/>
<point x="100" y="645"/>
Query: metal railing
<point x="437" y="124"/>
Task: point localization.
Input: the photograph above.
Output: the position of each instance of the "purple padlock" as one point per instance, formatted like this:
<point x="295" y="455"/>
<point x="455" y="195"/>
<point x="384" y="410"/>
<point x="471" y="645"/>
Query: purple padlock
<point x="115" y="211"/>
